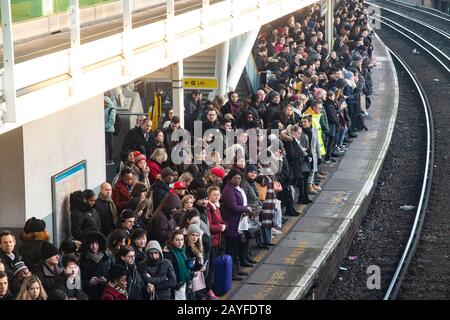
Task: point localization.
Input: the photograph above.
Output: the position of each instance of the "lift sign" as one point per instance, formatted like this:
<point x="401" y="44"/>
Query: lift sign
<point x="201" y="83"/>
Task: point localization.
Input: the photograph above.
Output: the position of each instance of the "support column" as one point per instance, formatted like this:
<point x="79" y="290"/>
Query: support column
<point x="170" y="29"/>
<point x="329" y="23"/>
<point x="127" y="51"/>
<point x="178" y="90"/>
<point x="75" y="39"/>
<point x="205" y="21"/>
<point x="9" y="87"/>
<point x="221" y="69"/>
<point x="239" y="64"/>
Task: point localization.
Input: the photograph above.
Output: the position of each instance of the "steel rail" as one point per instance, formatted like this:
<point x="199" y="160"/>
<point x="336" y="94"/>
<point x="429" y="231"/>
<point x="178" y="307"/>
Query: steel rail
<point x="444" y="65"/>
<point x="413" y="240"/>
<point x="417" y="9"/>
<point x="424" y="24"/>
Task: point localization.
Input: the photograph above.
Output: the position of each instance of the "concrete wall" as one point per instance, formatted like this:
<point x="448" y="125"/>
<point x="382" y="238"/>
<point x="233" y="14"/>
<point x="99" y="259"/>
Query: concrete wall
<point x="12" y="187"/>
<point x="57" y="142"/>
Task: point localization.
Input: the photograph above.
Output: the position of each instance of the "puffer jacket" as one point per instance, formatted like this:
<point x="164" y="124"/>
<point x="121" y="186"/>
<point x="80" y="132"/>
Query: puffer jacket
<point x="160" y="273"/>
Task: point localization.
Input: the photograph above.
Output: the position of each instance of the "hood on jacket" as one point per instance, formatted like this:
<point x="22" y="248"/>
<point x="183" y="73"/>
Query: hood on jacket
<point x="153" y="244"/>
<point x="28" y="236"/>
<point x="171" y="201"/>
<point x="286" y="136"/>
<point x="77" y="203"/>
<point x="91" y="237"/>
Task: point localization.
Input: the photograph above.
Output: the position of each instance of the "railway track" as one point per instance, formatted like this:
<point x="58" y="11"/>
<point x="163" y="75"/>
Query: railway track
<point x="440" y="21"/>
<point x="421" y="270"/>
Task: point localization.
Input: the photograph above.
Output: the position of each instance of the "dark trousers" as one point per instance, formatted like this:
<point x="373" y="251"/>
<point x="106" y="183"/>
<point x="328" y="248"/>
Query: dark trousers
<point x="302" y="184"/>
<point x="109" y="146"/>
<point x="286" y="199"/>
<point x="232" y="248"/>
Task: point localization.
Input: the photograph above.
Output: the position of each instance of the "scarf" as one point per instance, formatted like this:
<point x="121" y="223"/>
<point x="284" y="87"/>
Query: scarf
<point x="94" y="257"/>
<point x="183" y="274"/>
<point x="112" y="207"/>
<point x="235" y="109"/>
<point x="73" y="282"/>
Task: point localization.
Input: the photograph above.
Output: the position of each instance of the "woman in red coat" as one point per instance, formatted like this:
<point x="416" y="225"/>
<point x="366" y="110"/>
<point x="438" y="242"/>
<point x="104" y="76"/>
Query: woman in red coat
<point x="155" y="163"/>
<point x="116" y="288"/>
<point x="122" y="189"/>
<point x="217" y="227"/>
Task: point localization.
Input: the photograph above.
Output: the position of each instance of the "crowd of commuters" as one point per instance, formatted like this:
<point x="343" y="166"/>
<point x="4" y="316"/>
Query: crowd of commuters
<point x="155" y="231"/>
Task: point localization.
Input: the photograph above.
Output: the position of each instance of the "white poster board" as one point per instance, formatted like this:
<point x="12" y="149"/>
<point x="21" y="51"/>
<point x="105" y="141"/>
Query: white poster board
<point x="63" y="184"/>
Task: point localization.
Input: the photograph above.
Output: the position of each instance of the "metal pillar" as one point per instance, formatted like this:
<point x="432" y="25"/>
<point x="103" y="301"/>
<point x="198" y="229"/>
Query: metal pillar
<point x="239" y="64"/>
<point x="9" y="87"/>
<point x="329" y="23"/>
<point x="75" y="40"/>
<point x="127" y="52"/>
<point x="178" y="91"/>
<point x="221" y="68"/>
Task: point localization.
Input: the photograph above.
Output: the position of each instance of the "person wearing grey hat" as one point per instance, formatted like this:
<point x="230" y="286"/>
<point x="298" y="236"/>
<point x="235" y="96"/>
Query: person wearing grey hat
<point x="158" y="271"/>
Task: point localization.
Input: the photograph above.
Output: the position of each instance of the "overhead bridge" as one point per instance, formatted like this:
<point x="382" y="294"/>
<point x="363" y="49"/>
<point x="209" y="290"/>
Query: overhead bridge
<point x="46" y="84"/>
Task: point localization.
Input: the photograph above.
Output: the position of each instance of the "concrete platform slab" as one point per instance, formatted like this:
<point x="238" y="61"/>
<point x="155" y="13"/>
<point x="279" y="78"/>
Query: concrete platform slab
<point x="317" y="224"/>
<point x="276" y="274"/>
<point x="327" y="210"/>
<point x="306" y="239"/>
<point x="334" y="197"/>
<point x="261" y="292"/>
<point x="293" y="256"/>
<point x="343" y="185"/>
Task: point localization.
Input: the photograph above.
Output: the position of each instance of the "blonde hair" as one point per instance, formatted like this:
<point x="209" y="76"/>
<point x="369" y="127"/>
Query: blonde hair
<point x="197" y="248"/>
<point x="27" y="283"/>
<point x="186" y="177"/>
<point x="159" y="153"/>
<point x="186" y="198"/>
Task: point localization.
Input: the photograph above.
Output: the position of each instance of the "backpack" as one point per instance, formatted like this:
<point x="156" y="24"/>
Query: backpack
<point x="117" y="123"/>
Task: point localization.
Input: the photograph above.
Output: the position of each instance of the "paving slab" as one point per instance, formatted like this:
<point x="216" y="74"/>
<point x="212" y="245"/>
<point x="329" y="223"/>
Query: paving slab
<point x="261" y="292"/>
<point x="336" y="184"/>
<point x="318" y="224"/>
<point x="301" y="255"/>
<point x="307" y="239"/>
<point x="327" y="210"/>
<point x="276" y="274"/>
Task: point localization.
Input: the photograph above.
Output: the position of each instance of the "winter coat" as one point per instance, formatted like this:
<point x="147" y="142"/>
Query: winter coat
<point x="253" y="201"/>
<point x="155" y="169"/>
<point x="110" y="118"/>
<point x="159" y="273"/>
<point x="163" y="223"/>
<point x="121" y="195"/>
<point x="83" y="218"/>
<point x="61" y="284"/>
<point x="215" y="222"/>
<point x="108" y="214"/>
<point x="110" y="293"/>
<point x="316" y="123"/>
<point x="136" y="288"/>
<point x="9" y="264"/>
<point x="159" y="189"/>
<point x="49" y="279"/>
<point x="31" y="247"/>
<point x="135" y="140"/>
<point x="231" y="208"/>
<point x="89" y="268"/>
<point x="294" y="154"/>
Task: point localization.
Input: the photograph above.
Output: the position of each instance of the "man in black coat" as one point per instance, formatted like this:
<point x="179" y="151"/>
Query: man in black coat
<point x="106" y="209"/>
<point x="163" y="223"/>
<point x="8" y="255"/>
<point x="49" y="270"/>
<point x="158" y="271"/>
<point x="138" y="138"/>
<point x="161" y="186"/>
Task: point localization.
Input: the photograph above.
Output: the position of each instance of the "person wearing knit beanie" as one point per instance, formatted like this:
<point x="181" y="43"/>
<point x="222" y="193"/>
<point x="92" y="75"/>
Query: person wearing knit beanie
<point x="194" y="228"/>
<point x="34" y="225"/>
<point x="48" y="251"/>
